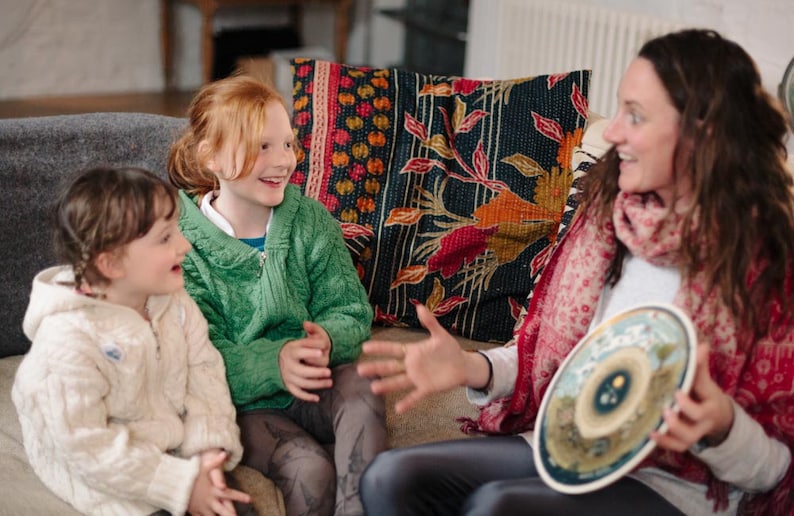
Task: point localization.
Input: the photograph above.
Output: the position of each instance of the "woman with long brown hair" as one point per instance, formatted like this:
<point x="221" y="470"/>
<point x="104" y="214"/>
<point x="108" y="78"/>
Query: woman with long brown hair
<point x="693" y="206"/>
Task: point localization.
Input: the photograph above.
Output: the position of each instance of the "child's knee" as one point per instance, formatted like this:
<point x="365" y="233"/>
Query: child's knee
<point x="306" y="463"/>
<point x="359" y="401"/>
<point x="317" y="470"/>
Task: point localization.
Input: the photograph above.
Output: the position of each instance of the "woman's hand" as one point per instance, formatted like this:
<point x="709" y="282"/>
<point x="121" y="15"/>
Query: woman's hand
<point x="210" y="495"/>
<point x="707" y="412"/>
<point x="304" y="364"/>
<point x="432" y="365"/>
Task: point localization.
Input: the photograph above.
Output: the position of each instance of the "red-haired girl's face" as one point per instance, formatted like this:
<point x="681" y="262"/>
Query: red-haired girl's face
<point x="264" y="187"/>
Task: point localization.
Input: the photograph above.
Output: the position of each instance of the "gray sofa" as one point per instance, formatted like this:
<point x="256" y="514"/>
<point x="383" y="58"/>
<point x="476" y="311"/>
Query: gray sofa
<point x="36" y="154"/>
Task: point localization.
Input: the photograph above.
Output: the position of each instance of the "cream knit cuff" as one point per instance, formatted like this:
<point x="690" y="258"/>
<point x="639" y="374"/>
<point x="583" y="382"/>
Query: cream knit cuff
<point x="173" y="483"/>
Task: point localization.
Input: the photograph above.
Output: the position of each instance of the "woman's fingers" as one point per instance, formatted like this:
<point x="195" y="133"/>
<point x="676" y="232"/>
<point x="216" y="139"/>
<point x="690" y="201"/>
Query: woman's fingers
<point x="386" y="367"/>
<point x="384" y="348"/>
<point x="428" y="320"/>
<point x="391" y="383"/>
<point x="680" y="433"/>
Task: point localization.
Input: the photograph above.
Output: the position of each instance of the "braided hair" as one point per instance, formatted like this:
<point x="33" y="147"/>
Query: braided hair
<point x="102" y="209"/>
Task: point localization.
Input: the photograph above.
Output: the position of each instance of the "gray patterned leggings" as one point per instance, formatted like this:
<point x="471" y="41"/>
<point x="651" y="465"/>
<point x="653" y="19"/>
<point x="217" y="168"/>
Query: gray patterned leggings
<point x="294" y="446"/>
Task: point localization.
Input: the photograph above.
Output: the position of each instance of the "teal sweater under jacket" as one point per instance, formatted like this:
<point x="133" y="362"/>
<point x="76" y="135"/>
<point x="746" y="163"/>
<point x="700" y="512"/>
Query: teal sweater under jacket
<point x="256" y="302"/>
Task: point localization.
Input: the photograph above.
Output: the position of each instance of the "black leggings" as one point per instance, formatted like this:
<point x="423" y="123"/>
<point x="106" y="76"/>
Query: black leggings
<point x="488" y="476"/>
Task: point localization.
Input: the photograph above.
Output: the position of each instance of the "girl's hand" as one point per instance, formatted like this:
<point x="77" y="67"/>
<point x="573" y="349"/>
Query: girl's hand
<point x="209" y="457"/>
<point x="707" y="412"/>
<point x="210" y="496"/>
<point x="296" y="361"/>
<point x="321" y="341"/>
<point x="432" y="365"/>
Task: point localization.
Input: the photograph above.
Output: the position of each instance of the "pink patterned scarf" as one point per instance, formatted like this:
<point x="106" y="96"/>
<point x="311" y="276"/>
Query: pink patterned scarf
<point x="757" y="375"/>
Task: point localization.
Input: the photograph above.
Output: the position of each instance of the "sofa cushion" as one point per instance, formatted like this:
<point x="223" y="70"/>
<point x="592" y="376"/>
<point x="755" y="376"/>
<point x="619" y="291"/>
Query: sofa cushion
<point x="593" y="146"/>
<point x="461" y="183"/>
<point x="36" y="156"/>
<point x="21" y="491"/>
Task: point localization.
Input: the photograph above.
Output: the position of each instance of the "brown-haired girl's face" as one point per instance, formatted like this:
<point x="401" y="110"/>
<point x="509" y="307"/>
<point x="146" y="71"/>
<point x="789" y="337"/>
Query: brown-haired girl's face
<point x="645" y="133"/>
<point x="151" y="264"/>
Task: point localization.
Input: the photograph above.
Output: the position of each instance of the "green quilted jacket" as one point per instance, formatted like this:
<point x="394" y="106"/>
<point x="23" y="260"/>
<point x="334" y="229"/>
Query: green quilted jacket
<point x="256" y="302"/>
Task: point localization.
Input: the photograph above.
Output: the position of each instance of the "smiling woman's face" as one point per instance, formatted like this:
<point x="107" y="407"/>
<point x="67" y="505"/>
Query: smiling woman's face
<point x="645" y="133"/>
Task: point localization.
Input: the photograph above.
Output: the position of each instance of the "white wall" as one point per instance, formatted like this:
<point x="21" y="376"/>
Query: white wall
<point x="58" y="47"/>
<point x="765" y="28"/>
<point x="63" y="47"/>
<point x="66" y="47"/>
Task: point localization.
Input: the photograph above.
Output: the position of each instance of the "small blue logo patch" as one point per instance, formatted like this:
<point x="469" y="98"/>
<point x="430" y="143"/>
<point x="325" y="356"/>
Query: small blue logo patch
<point x="113" y="352"/>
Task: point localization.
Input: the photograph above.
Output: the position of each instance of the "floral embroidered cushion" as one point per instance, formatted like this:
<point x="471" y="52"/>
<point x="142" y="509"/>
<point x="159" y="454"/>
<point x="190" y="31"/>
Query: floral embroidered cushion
<point x="452" y="188"/>
<point x="582" y="162"/>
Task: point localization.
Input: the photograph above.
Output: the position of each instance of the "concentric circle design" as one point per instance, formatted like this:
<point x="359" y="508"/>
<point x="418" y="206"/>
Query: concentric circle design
<point x="612" y="392"/>
<point x="609" y="395"/>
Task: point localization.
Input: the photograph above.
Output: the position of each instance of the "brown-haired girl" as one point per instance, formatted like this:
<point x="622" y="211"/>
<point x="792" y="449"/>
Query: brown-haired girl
<point x="285" y="307"/>
<point x="122" y="398"/>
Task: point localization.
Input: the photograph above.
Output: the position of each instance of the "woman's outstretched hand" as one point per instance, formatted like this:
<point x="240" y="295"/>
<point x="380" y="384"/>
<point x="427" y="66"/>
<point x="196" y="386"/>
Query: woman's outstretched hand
<point x="432" y="365"/>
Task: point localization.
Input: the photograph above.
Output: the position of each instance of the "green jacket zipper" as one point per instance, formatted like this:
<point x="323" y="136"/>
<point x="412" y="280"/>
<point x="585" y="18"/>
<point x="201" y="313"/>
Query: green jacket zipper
<point x="262" y="258"/>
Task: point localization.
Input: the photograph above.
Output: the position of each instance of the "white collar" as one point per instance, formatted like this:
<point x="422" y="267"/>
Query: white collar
<point x="219" y="220"/>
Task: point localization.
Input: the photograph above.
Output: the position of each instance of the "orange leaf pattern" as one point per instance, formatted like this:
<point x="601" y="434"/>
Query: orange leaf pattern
<point x="404" y="216"/>
<point x="412" y="274"/>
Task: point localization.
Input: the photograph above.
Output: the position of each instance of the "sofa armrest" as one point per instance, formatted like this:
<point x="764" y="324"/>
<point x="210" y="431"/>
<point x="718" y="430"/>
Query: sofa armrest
<point x="593" y="143"/>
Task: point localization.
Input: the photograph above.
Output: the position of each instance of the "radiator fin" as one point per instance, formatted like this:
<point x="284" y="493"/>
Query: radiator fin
<point x="542" y="36"/>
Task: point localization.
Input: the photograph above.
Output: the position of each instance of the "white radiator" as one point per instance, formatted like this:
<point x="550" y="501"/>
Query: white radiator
<point x="517" y="38"/>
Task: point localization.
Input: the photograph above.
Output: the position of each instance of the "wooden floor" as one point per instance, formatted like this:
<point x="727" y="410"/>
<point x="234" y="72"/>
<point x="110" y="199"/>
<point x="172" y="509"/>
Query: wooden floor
<point x="165" y="103"/>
